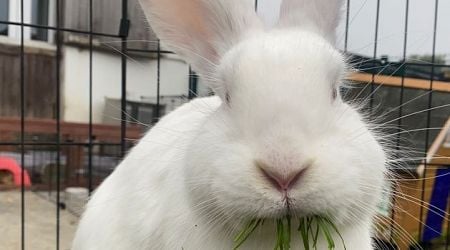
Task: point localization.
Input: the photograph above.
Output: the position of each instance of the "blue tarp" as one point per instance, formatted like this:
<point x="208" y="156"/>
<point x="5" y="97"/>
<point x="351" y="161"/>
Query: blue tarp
<point x="439" y="201"/>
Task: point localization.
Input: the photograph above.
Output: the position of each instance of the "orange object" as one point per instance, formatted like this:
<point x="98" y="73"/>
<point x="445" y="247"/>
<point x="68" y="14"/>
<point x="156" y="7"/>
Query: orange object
<point x="11" y="165"/>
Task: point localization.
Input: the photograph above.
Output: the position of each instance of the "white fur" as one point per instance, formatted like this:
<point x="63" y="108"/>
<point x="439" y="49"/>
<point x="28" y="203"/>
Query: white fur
<point x="192" y="181"/>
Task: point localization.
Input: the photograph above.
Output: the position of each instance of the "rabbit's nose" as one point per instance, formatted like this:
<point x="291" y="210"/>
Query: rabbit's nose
<point x="283" y="180"/>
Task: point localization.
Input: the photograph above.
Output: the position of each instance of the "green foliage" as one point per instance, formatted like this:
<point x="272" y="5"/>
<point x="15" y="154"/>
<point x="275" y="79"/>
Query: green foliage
<point x="309" y="230"/>
<point x="427" y="58"/>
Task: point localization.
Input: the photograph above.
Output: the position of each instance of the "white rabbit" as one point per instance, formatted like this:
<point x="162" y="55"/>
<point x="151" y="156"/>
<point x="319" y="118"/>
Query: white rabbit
<point x="276" y="139"/>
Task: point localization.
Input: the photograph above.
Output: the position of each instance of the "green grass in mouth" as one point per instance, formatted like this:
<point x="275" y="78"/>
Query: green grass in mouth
<point x="309" y="229"/>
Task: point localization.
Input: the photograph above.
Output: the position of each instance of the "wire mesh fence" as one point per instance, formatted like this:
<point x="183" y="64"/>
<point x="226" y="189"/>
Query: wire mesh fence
<point x="64" y="126"/>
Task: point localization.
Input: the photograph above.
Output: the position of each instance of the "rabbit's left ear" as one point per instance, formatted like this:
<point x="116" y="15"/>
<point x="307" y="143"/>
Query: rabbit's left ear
<point x="201" y="31"/>
<point x="319" y="16"/>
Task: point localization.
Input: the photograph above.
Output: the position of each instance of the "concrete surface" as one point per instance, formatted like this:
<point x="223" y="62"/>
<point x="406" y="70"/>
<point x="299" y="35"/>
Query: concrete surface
<point x="40" y="222"/>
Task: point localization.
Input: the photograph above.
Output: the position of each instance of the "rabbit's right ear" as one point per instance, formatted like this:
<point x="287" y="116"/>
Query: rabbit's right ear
<point x="319" y="16"/>
<point x="201" y="31"/>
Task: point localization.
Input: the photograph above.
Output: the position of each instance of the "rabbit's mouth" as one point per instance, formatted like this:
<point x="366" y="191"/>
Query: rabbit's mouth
<point x="292" y="212"/>
<point x="287" y="207"/>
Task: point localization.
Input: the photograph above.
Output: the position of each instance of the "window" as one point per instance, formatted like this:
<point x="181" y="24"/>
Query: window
<point x="39" y="16"/>
<point x="143" y="112"/>
<point x="37" y="12"/>
<point x="4" y="16"/>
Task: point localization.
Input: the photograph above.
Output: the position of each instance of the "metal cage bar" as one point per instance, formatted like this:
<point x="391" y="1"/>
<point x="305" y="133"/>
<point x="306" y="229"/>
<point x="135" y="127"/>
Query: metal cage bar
<point x="22" y="120"/>
<point x="430" y="106"/>
<point x="58" y="121"/>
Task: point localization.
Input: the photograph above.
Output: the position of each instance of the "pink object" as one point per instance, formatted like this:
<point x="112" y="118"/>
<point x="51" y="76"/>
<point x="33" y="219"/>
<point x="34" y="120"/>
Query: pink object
<point x="12" y="166"/>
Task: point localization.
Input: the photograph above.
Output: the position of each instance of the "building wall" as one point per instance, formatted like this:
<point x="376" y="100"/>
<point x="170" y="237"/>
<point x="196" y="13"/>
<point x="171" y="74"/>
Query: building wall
<point x="140" y="36"/>
<point x="141" y="81"/>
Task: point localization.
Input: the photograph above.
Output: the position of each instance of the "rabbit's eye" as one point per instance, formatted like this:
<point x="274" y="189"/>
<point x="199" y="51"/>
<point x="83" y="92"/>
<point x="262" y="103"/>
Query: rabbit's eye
<point x="334" y="93"/>
<point x="227" y="98"/>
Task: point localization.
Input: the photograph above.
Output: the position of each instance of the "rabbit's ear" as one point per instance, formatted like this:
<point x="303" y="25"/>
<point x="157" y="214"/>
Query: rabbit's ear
<point x="319" y="16"/>
<point x="201" y="31"/>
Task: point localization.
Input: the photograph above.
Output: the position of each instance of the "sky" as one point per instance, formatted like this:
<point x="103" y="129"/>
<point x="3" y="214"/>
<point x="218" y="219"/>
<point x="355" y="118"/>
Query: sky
<point x="391" y="26"/>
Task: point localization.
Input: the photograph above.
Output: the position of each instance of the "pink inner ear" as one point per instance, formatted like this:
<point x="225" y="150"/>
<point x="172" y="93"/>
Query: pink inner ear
<point x="190" y="20"/>
<point x="187" y="14"/>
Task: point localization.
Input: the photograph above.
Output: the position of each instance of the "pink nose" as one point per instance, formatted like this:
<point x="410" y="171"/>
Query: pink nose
<point x="282" y="182"/>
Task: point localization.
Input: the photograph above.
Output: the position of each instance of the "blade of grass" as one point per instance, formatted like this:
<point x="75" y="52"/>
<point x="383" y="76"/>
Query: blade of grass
<point x="336" y="230"/>
<point x="244" y="231"/>
<point x="287" y="238"/>
<point x="303" y="228"/>
<point x="326" y="232"/>
<point x="243" y="236"/>
<point x="316" y="234"/>
<point x="280" y="233"/>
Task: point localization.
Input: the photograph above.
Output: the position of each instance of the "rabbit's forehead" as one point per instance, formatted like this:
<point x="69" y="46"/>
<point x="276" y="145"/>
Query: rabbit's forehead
<point x="291" y="70"/>
<point x="280" y="59"/>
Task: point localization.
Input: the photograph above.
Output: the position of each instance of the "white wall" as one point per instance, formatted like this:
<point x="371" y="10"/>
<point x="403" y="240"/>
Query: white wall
<point x="141" y="81"/>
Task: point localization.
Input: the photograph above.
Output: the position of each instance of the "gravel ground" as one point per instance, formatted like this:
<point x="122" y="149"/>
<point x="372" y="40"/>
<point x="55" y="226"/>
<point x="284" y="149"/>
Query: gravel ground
<point x="40" y="223"/>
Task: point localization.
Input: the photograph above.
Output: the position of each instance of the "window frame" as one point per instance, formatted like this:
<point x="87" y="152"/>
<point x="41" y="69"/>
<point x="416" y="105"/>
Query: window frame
<point x="8" y="3"/>
<point x="14" y="31"/>
<point x="40" y="34"/>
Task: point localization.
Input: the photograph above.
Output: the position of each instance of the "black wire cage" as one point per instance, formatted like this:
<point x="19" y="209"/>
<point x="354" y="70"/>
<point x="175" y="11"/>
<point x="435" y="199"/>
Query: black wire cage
<point x="41" y="131"/>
